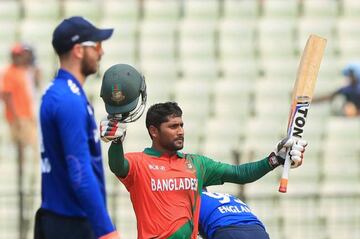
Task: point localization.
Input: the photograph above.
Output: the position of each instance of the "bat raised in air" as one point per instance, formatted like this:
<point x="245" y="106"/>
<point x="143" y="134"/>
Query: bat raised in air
<point x="302" y="95"/>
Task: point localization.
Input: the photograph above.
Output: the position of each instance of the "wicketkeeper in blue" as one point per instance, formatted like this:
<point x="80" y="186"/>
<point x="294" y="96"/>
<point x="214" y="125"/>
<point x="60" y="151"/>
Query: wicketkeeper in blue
<point x="223" y="216"/>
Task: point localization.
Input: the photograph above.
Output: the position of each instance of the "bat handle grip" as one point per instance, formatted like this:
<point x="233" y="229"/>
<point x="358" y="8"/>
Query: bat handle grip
<point x="285" y="174"/>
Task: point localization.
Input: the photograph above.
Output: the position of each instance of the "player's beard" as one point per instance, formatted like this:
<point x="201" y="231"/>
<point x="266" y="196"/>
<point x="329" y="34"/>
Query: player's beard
<point x="88" y="65"/>
<point x="174" y="145"/>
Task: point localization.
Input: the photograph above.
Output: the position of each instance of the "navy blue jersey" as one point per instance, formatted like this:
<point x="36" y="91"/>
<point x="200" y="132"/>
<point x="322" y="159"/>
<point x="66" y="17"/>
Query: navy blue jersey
<point x="220" y="210"/>
<point x="351" y="93"/>
<point x="71" y="164"/>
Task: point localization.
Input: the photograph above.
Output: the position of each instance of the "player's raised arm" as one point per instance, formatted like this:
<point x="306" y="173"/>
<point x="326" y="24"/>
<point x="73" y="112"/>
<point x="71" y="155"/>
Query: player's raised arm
<point x="218" y="173"/>
<point x="123" y="91"/>
<point x="113" y="130"/>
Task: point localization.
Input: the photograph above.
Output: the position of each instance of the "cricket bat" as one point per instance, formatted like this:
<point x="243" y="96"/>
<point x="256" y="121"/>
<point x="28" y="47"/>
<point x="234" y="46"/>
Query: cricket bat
<point x="302" y="94"/>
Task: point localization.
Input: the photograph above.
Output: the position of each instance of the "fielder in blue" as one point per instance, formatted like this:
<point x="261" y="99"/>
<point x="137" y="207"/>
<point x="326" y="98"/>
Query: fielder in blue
<point x="223" y="216"/>
<point x="73" y="188"/>
<point x="350" y="92"/>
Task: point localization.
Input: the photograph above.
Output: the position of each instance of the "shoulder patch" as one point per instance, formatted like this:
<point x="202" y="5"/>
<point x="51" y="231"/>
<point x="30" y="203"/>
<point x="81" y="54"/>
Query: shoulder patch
<point x="73" y="87"/>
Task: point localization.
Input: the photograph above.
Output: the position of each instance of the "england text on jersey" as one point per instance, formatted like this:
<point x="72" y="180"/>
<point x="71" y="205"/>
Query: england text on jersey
<point x="234" y="209"/>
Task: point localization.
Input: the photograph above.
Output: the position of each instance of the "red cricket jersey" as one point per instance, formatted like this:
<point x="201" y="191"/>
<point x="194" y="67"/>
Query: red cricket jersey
<point x="163" y="191"/>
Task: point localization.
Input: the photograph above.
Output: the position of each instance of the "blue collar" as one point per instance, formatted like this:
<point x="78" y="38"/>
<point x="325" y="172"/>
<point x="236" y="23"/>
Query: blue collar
<point x="64" y="74"/>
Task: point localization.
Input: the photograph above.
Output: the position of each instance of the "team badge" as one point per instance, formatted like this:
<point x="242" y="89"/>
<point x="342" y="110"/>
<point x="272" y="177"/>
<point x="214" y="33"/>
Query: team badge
<point x="189" y="166"/>
<point x="117" y="95"/>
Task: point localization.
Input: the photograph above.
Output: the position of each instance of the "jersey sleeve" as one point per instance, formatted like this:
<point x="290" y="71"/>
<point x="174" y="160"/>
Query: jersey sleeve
<point x="343" y="91"/>
<point x="216" y="173"/>
<point x="72" y="126"/>
<point x="7" y="83"/>
<point x="132" y="159"/>
<point x="117" y="162"/>
<point x="211" y="170"/>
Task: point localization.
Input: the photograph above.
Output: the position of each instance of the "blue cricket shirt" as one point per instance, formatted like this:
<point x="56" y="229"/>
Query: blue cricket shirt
<point x="220" y="210"/>
<point x="351" y="94"/>
<point x="72" y="171"/>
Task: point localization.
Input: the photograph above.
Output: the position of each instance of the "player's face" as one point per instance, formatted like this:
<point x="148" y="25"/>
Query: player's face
<point x="91" y="59"/>
<point x="171" y="134"/>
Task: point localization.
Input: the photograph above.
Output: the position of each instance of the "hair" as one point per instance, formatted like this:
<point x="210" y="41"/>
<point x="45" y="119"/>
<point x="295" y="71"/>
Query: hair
<point x="160" y="113"/>
<point x="63" y="56"/>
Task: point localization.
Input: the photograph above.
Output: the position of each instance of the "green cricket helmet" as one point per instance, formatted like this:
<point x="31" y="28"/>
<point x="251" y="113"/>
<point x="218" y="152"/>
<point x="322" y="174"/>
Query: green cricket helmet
<point x="123" y="91"/>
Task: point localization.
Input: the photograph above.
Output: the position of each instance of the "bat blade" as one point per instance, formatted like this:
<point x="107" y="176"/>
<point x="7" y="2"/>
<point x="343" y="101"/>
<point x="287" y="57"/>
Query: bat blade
<point x="302" y="94"/>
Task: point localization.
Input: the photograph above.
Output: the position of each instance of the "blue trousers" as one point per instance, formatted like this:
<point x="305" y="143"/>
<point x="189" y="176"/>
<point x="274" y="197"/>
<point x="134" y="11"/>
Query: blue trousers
<point x="49" y="225"/>
<point x="241" y="232"/>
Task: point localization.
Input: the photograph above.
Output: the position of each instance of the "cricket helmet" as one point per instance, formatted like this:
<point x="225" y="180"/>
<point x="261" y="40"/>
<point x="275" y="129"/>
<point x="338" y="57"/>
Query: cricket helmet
<point x="123" y="91"/>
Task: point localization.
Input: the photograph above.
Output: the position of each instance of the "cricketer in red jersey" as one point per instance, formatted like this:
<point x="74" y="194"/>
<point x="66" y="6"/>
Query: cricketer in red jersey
<point x="165" y="184"/>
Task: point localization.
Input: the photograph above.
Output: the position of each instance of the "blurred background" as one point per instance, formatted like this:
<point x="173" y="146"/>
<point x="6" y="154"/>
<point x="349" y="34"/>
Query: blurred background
<point x="231" y="66"/>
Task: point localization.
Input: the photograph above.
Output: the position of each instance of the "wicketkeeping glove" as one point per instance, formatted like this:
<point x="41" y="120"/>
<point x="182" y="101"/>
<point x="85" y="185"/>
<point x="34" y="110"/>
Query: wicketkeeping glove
<point x="112" y="130"/>
<point x="297" y="149"/>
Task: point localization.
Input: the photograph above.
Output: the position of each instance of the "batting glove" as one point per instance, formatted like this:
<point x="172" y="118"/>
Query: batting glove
<point x="112" y="130"/>
<point x="296" y="152"/>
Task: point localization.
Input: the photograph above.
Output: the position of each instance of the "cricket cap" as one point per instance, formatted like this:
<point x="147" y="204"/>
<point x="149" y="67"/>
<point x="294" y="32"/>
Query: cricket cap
<point x="19" y="48"/>
<point x="121" y="89"/>
<point x="352" y="69"/>
<point x="75" y="30"/>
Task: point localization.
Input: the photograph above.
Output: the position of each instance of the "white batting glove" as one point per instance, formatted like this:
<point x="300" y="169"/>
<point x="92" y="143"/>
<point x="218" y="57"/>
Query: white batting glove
<point x="112" y="130"/>
<point x="297" y="149"/>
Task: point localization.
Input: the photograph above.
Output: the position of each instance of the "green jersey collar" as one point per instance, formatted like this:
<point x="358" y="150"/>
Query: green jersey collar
<point x="154" y="152"/>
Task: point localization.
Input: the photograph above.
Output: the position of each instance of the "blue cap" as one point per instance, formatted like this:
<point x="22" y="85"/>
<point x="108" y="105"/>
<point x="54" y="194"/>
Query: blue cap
<point x="352" y="69"/>
<point x="75" y="30"/>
